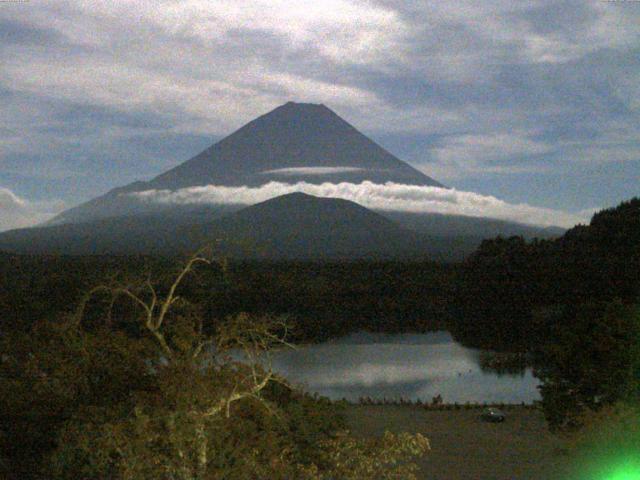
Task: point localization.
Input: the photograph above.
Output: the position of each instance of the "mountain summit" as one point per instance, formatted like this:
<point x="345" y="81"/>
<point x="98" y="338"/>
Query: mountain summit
<point x="296" y="142"/>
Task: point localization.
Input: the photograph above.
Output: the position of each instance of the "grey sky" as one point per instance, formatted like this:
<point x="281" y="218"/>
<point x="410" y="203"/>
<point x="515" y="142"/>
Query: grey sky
<point x="535" y="102"/>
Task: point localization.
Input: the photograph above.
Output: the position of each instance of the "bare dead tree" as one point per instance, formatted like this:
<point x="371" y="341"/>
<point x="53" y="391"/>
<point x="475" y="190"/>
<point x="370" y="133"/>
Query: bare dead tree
<point x="251" y="338"/>
<point x="242" y="336"/>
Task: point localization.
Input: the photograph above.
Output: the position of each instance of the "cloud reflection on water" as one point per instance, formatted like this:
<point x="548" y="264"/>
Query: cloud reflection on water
<point x="408" y="366"/>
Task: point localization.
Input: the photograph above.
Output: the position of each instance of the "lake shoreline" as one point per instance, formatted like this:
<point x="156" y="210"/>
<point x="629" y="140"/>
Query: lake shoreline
<point x="373" y="368"/>
<point x="442" y="406"/>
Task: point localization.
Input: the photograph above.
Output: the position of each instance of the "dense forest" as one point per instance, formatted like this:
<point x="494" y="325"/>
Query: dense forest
<point x="320" y="300"/>
<point x="510" y="290"/>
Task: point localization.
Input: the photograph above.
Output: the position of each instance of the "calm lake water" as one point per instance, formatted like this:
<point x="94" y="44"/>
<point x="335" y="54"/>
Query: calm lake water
<point x="411" y="366"/>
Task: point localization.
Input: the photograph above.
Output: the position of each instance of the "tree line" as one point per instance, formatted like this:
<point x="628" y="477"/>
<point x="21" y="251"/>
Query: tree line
<point x="321" y="300"/>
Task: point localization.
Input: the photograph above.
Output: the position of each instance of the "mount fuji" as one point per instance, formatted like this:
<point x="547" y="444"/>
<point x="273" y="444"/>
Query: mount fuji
<point x="295" y="144"/>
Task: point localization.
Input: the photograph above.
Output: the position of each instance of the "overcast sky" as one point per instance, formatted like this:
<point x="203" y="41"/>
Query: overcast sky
<point x="535" y="102"/>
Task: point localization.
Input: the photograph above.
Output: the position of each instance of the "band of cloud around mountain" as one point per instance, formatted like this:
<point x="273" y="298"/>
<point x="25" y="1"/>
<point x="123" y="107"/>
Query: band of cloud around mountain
<point x="307" y="148"/>
<point x="304" y="148"/>
<point x="385" y="197"/>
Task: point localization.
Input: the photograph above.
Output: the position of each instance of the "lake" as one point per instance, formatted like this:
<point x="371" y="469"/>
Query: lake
<point x="409" y="366"/>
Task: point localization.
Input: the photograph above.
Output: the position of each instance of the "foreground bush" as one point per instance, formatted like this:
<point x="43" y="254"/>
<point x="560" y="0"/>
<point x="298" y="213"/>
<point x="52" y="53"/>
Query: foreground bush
<point x="135" y="386"/>
<point x="591" y="361"/>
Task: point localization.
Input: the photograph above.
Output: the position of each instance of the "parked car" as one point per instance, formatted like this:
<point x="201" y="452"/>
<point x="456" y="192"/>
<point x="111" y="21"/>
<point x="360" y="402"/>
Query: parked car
<point x="493" y="415"/>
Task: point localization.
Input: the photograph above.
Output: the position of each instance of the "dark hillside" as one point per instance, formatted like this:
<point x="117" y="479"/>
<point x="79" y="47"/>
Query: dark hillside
<point x="295" y="226"/>
<point x="299" y="226"/>
<point x="508" y="284"/>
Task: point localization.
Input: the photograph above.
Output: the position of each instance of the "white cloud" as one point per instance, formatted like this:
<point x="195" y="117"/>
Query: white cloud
<point x="503" y="30"/>
<point x="16" y="212"/>
<point x="295" y="171"/>
<point x="488" y="147"/>
<point x="617" y="142"/>
<point x="488" y="153"/>
<point x="589" y="212"/>
<point x="342" y="30"/>
<point x="189" y="58"/>
<point x="457" y="156"/>
<point x="214" y="65"/>
<point x="598" y="153"/>
<point x="316" y="91"/>
<point x="389" y="196"/>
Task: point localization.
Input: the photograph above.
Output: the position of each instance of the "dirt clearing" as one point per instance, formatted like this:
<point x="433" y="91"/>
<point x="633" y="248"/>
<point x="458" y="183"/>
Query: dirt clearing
<point x="465" y="448"/>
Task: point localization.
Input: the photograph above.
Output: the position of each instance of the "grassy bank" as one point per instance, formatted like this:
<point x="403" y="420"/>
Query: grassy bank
<point x="463" y="447"/>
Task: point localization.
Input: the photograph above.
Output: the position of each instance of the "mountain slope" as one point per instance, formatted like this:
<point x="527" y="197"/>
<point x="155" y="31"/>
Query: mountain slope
<point x="300" y="226"/>
<point x="437" y="224"/>
<point x="290" y="226"/>
<point x="295" y="142"/>
<point x="294" y="226"/>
